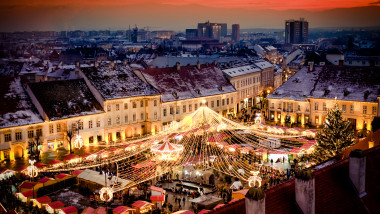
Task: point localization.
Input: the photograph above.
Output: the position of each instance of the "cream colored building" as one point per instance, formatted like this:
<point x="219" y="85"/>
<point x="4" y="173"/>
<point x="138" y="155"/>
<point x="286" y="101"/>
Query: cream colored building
<point x="307" y="96"/>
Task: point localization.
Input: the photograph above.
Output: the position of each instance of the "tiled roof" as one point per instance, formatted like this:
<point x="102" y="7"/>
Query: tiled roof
<point x="281" y="199"/>
<point x="328" y="82"/>
<point x="65" y="99"/>
<point x="188" y="82"/>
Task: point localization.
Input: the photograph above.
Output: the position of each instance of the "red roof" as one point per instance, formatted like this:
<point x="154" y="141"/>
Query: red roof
<point x="39" y="165"/>
<point x="27" y="185"/>
<point x="56" y="204"/>
<point x="183" y="212"/>
<point x="218" y="206"/>
<point x="22" y="168"/>
<point x="114" y="149"/>
<point x="233" y="200"/>
<point x="69" y="209"/>
<point x="100" y="210"/>
<point x="70" y="157"/>
<point x="157" y="189"/>
<point x="61" y="176"/>
<point x="204" y="211"/>
<point x="121" y="209"/>
<point x="52" y="162"/>
<point x="43" y="199"/>
<point x="140" y="204"/>
<point x="261" y="150"/>
<point x="88" y="210"/>
<point x="44" y="180"/>
<point x="77" y="172"/>
<point x="85" y="155"/>
<point x="27" y="193"/>
<point x="157" y="198"/>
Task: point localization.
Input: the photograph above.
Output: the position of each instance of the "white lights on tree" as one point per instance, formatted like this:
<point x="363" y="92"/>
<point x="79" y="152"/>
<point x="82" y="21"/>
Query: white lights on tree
<point x="106" y="194"/>
<point x="254" y="178"/>
<point x="32" y="170"/>
<point x="78" y="143"/>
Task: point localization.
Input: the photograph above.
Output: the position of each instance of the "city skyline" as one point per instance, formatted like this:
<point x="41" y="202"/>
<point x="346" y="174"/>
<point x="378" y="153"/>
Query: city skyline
<point x="167" y="15"/>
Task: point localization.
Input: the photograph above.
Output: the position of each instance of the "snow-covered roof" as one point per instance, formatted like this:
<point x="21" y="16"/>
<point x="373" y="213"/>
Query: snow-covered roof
<point x="16" y="108"/>
<point x="327" y="82"/>
<point x="94" y="176"/>
<point x="263" y="64"/>
<point x="188" y="82"/>
<point x="65" y="99"/>
<point x="118" y="82"/>
<point x="241" y="70"/>
<point x="169" y="61"/>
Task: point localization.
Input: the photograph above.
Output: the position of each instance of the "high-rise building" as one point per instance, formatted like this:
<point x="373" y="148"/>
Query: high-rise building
<point x="191" y="33"/>
<point x="210" y="30"/>
<point x="236" y="33"/>
<point x="223" y="30"/>
<point x="296" y="31"/>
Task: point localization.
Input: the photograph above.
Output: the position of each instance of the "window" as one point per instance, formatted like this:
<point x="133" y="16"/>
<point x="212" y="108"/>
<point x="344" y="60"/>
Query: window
<point x="90" y="124"/>
<point x="146" y="103"/>
<point x="155" y="102"/>
<point x="351" y="109"/>
<point x="118" y="120"/>
<point x="190" y="108"/>
<point x="344" y="108"/>
<point x="364" y="109"/>
<point x="317" y="120"/>
<point x="222" y="102"/>
<point x="125" y="106"/>
<point x="30" y="134"/>
<point x="98" y="123"/>
<point x="74" y="127"/>
<point x="7" y="137"/>
<point x="298" y="108"/>
<point x="164" y="112"/>
<point x="18" y="136"/>
<point x="117" y="107"/>
<point x="177" y="110"/>
<point x="279" y="106"/>
<point x="126" y="119"/>
<point x="134" y="105"/>
<point x="195" y="106"/>
<point x="212" y="104"/>
<point x="184" y="109"/>
<point x="141" y="103"/>
<point x="134" y="118"/>
<point x="80" y="125"/>
<point x="232" y="100"/>
<point x="109" y="121"/>
<point x="171" y="110"/>
<point x="142" y="116"/>
<point x="217" y="103"/>
<point x="228" y="101"/>
<point x="58" y="127"/>
<point x="39" y="132"/>
<point x="316" y="106"/>
<point x="108" y="107"/>
<point x="51" y="129"/>
<point x="373" y="109"/>
<point x="307" y="109"/>
<point x="272" y="105"/>
<point x="146" y="116"/>
<point x="324" y="107"/>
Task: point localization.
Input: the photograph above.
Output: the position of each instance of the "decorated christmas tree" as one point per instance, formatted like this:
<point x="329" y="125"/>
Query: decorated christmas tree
<point x="335" y="136"/>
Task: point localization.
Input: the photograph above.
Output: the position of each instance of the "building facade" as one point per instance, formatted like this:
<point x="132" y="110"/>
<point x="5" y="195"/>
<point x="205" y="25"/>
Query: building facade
<point x="296" y="31"/>
<point x="236" y="33"/>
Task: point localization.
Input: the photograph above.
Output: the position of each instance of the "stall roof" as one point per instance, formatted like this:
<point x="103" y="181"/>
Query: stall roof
<point x="122" y="209"/>
<point x="140" y="204"/>
<point x="93" y="176"/>
<point x="43" y="199"/>
<point x="56" y="204"/>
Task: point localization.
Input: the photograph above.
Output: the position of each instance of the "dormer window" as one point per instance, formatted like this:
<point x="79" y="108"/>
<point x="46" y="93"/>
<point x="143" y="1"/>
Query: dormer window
<point x="197" y="91"/>
<point x="175" y="95"/>
<point x="220" y="88"/>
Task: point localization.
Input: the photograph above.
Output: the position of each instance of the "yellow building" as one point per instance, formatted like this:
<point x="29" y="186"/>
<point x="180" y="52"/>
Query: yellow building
<point x="306" y="97"/>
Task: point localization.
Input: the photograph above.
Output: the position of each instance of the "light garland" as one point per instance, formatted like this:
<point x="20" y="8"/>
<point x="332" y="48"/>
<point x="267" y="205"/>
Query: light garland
<point x="32" y="170"/>
<point x="78" y="143"/>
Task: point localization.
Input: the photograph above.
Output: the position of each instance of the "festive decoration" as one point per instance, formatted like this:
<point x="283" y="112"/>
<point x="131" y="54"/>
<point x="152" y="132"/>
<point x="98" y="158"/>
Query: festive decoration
<point x="106" y="194"/>
<point x="254" y="178"/>
<point x="32" y="170"/>
<point x="167" y="151"/>
<point x="258" y="118"/>
<point x="78" y="143"/>
<point x="335" y="136"/>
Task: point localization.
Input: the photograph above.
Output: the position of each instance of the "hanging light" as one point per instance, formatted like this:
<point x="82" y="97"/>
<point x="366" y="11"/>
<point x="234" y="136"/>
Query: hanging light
<point x="252" y="180"/>
<point x="106" y="194"/>
<point x="78" y="143"/>
<point x="32" y="170"/>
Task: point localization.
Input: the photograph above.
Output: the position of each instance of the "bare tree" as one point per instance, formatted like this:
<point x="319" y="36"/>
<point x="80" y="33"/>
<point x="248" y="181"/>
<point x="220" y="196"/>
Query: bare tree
<point x="69" y="137"/>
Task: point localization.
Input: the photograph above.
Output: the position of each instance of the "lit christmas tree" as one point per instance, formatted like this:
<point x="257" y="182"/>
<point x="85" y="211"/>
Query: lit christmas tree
<point x="335" y="136"/>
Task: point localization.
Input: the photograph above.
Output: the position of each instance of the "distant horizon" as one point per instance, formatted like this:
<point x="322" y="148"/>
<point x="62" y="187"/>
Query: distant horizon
<point x="159" y="16"/>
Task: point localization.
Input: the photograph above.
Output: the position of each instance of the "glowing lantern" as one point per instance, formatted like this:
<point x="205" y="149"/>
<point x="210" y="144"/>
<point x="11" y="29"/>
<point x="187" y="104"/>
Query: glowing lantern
<point x="78" y="143"/>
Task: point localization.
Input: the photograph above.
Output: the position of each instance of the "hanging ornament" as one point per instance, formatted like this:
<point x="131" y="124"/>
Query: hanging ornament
<point x="78" y="143"/>
<point x="252" y="180"/>
<point x="106" y="194"/>
<point x="32" y="170"/>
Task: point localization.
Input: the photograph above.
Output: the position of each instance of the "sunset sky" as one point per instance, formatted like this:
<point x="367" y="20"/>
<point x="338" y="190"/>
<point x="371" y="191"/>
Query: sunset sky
<point x="19" y="15"/>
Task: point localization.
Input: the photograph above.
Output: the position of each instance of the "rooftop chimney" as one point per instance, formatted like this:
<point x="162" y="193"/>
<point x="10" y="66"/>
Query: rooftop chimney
<point x="198" y="65"/>
<point x="305" y="191"/>
<point x="214" y="62"/>
<point x="178" y="66"/>
<point x="96" y="64"/>
<point x="125" y="61"/>
<point x="357" y="170"/>
<point x="112" y="64"/>
<point x="311" y="66"/>
<point x="77" y="64"/>
<point x="255" y="201"/>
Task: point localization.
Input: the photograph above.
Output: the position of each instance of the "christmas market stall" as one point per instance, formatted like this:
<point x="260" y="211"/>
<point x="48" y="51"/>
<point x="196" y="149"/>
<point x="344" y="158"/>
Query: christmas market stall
<point x="142" y="207"/>
<point x="123" y="210"/>
<point x="53" y="207"/>
<point x="41" y="202"/>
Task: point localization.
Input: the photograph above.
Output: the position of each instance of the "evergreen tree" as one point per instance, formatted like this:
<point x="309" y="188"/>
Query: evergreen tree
<point x="335" y="136"/>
